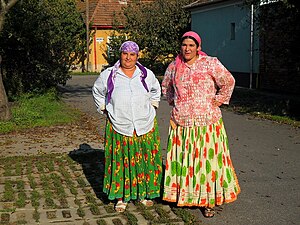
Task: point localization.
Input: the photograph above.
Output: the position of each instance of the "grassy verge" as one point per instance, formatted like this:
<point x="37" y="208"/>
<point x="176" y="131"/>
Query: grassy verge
<point x="272" y="106"/>
<point x="47" y="110"/>
<point x="84" y="73"/>
<point x="38" y="110"/>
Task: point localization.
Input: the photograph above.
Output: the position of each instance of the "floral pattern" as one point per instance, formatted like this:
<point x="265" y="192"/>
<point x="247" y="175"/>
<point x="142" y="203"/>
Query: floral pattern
<point x="199" y="170"/>
<point x="192" y="93"/>
<point x="133" y="165"/>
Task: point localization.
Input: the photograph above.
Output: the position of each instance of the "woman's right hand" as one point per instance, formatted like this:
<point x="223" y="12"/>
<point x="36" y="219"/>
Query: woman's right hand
<point x="173" y="124"/>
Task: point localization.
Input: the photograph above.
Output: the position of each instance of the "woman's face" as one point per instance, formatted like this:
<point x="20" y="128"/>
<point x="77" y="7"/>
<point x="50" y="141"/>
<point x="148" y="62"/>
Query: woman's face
<point x="128" y="60"/>
<point x="189" y="50"/>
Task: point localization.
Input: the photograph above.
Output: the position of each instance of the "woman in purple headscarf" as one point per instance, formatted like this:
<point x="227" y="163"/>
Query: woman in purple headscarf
<point x="199" y="171"/>
<point x="128" y="93"/>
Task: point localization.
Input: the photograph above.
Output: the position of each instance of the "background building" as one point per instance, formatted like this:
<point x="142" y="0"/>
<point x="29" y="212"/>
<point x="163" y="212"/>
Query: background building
<point x="101" y="16"/>
<point x="228" y="32"/>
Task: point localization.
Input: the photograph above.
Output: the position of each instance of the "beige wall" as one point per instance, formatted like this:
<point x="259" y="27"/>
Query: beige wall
<point x="98" y="48"/>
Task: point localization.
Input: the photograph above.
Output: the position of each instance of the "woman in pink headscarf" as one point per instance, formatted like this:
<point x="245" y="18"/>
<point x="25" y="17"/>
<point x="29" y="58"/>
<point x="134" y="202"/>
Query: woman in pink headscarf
<point x="199" y="171"/>
<point x="129" y="93"/>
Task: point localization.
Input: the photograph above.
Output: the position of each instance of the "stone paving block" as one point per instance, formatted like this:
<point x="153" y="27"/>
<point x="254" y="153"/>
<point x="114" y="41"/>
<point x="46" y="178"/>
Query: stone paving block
<point x="26" y="215"/>
<point x="110" y="220"/>
<point x="66" y="212"/>
<point x="140" y="218"/>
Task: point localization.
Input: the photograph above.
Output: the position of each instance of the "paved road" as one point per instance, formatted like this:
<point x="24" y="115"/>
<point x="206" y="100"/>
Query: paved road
<point x="265" y="155"/>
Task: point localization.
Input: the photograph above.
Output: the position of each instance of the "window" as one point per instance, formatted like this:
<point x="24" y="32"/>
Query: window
<point x="232" y="31"/>
<point x="122" y="1"/>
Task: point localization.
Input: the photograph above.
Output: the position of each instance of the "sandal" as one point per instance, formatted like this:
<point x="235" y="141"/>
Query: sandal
<point x="209" y="212"/>
<point x="147" y="203"/>
<point x="121" y="206"/>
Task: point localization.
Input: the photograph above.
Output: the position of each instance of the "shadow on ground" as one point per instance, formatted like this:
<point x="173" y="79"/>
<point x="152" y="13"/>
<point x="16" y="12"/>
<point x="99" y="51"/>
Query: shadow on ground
<point x="92" y="163"/>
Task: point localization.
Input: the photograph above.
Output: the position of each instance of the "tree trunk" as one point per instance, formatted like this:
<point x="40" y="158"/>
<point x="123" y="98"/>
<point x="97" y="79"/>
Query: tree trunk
<point x="5" y="113"/>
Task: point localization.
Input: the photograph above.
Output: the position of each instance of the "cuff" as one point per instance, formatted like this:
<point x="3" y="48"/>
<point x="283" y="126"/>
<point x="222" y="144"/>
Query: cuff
<point x="155" y="104"/>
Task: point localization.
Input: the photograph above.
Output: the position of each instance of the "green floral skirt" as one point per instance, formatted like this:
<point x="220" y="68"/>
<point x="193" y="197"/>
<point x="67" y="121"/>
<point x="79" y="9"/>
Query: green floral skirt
<point x="133" y="165"/>
<point x="199" y="171"/>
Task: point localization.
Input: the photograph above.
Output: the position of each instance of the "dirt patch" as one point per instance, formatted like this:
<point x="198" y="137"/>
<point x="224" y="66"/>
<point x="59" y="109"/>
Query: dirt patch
<point x="56" y="139"/>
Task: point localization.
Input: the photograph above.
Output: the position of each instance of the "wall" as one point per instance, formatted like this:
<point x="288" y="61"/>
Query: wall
<point x="213" y="23"/>
<point x="98" y="49"/>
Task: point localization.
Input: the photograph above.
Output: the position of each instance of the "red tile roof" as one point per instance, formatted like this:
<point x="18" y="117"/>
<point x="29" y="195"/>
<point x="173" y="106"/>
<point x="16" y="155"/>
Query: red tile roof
<point x="103" y="12"/>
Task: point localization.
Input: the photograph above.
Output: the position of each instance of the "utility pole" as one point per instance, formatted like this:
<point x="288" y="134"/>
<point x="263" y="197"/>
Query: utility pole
<point x="87" y="23"/>
<point x="251" y="45"/>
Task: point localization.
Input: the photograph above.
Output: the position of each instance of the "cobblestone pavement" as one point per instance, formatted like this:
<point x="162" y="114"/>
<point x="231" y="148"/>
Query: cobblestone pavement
<point x="54" y="176"/>
<point x="66" y="189"/>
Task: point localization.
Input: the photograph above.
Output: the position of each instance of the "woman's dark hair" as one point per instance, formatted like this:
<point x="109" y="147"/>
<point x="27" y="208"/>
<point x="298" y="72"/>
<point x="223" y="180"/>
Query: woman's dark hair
<point x="190" y="37"/>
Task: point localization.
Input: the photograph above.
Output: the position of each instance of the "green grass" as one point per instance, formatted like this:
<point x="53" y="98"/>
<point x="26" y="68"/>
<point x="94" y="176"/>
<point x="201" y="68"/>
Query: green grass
<point x="45" y="110"/>
<point x="281" y="108"/>
<point x="84" y="73"/>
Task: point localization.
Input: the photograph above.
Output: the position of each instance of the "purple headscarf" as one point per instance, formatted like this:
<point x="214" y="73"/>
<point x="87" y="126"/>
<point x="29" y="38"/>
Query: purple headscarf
<point x="127" y="46"/>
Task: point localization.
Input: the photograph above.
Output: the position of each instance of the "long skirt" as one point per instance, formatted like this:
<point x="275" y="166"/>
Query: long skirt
<point x="199" y="171"/>
<point x="133" y="165"/>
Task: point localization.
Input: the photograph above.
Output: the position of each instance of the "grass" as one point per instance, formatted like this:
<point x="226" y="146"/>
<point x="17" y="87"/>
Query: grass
<point x="84" y="73"/>
<point x="38" y="111"/>
<point x="281" y="108"/>
<point x="46" y="110"/>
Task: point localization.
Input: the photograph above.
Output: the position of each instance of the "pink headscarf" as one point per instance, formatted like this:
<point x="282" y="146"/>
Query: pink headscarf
<point x="196" y="36"/>
<point x="179" y="61"/>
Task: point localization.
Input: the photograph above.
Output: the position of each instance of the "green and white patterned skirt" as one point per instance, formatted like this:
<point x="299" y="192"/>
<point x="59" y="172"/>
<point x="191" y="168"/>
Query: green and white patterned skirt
<point x="199" y="171"/>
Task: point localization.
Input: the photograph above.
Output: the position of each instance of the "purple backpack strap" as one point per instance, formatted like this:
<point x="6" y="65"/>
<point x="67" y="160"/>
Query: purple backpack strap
<point x="110" y="80"/>
<point x="143" y="76"/>
<point x="110" y="86"/>
<point x="112" y="75"/>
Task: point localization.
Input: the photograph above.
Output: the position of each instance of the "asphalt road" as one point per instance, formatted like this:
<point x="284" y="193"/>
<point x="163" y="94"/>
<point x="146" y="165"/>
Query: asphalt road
<point x="265" y="155"/>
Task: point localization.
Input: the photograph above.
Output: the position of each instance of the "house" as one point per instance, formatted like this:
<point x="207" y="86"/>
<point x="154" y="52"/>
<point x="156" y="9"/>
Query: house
<point x="227" y="30"/>
<point x="101" y="16"/>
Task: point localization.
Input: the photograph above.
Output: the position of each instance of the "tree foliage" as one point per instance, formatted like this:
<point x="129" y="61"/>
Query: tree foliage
<point x="156" y="27"/>
<point x="5" y="112"/>
<point x="39" y="43"/>
<point x="279" y="35"/>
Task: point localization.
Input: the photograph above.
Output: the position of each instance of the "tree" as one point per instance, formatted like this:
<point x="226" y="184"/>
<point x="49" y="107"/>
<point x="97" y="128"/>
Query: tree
<point x="156" y="27"/>
<point x="41" y="40"/>
<point x="5" y="113"/>
<point x="279" y="35"/>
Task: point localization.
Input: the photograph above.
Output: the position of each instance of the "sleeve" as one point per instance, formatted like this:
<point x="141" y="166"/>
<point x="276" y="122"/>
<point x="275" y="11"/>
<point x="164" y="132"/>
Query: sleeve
<point x="99" y="91"/>
<point x="225" y="82"/>
<point x="155" y="90"/>
<point x="167" y="84"/>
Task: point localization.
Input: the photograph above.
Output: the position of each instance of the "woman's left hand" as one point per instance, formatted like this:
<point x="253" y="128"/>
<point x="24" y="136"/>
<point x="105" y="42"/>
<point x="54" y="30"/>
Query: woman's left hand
<point x="216" y="103"/>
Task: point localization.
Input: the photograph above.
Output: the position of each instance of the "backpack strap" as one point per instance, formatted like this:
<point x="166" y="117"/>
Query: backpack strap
<point x="112" y="76"/>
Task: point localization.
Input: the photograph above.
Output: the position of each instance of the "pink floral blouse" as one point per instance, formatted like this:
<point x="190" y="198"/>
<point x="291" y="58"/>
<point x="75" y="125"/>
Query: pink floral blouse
<point x="193" y="94"/>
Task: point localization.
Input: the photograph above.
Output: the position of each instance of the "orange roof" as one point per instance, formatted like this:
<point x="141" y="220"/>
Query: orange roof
<point x="103" y="12"/>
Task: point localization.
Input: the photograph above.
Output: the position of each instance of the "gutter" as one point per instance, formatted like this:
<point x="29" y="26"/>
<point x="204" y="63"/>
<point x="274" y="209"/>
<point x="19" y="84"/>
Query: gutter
<point x="203" y="3"/>
<point x="106" y="27"/>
